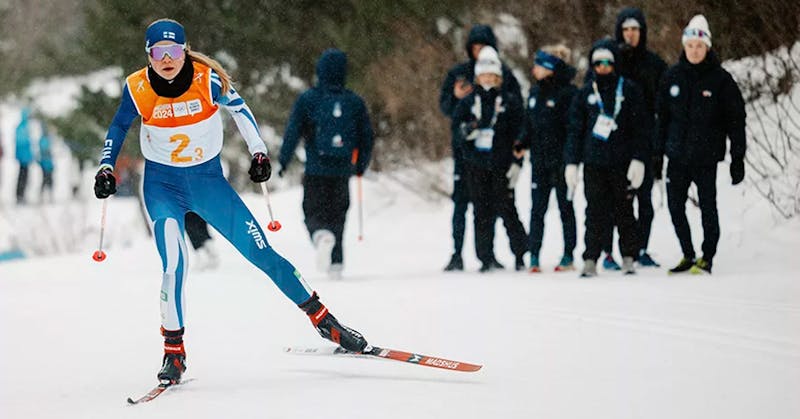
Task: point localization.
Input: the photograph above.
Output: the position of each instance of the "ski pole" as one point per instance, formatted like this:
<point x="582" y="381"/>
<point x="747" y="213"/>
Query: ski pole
<point x="99" y="255"/>
<point x="360" y="209"/>
<point x="273" y="225"/>
<point x="354" y="161"/>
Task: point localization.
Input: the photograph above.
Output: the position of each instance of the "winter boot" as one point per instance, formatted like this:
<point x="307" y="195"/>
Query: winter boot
<point x="335" y="271"/>
<point x="565" y="264"/>
<point x="497" y="265"/>
<point x="174" y="362"/>
<point x="646" y="261"/>
<point x="627" y="266"/>
<point x="324" y="240"/>
<point x="589" y="269"/>
<point x="330" y="328"/>
<point x="701" y="266"/>
<point x="455" y="264"/>
<point x="207" y="257"/>
<point x="684" y="265"/>
<point x="610" y="264"/>
<point x="485" y="268"/>
<point x="519" y="263"/>
<point x="534" y="265"/>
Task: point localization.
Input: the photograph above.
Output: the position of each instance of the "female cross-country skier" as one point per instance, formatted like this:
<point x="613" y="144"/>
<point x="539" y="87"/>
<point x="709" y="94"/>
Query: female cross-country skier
<point x="179" y="95"/>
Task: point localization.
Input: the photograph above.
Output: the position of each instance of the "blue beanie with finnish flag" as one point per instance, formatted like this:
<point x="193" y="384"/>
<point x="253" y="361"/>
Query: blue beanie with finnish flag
<point x="164" y="30"/>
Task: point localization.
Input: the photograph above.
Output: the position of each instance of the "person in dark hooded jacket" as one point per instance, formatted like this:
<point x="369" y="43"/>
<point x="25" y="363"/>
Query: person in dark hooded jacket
<point x="646" y="68"/>
<point x="485" y="124"/>
<point x="544" y="132"/>
<point x="608" y="133"/>
<point x="338" y="140"/>
<point x="699" y="106"/>
<point x="457" y="84"/>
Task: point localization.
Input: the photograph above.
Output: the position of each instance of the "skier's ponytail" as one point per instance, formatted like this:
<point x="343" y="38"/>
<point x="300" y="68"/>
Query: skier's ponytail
<point x="224" y="77"/>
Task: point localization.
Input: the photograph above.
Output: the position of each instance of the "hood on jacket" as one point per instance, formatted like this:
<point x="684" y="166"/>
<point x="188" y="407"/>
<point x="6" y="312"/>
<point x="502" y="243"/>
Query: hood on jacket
<point x="608" y="44"/>
<point x="638" y="15"/>
<point x="480" y="34"/>
<point x="332" y="68"/>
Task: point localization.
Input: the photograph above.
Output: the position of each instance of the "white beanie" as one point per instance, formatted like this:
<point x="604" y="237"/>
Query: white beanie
<point x="602" y="54"/>
<point x="488" y="62"/>
<point x="697" y="29"/>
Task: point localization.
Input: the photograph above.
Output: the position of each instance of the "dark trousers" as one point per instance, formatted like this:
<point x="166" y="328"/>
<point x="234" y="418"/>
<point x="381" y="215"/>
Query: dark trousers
<point x="679" y="177"/>
<point x="491" y="198"/>
<point x="22" y="182"/>
<point x="326" y="200"/>
<point x="606" y="190"/>
<point x="644" y="218"/>
<point x="542" y="182"/>
<point x="196" y="229"/>
<point x="460" y="204"/>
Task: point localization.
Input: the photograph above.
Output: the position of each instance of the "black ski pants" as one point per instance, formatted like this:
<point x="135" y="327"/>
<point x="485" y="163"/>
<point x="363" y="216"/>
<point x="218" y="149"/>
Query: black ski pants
<point x="196" y="229"/>
<point x="542" y="182"/>
<point x="607" y="192"/>
<point x="460" y="205"/>
<point x="326" y="200"/>
<point x="644" y="216"/>
<point x="491" y="198"/>
<point x="679" y="178"/>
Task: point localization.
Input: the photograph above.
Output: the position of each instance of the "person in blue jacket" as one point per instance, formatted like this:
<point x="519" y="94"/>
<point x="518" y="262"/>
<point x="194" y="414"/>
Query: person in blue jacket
<point x="23" y="153"/>
<point x="338" y="135"/>
<point x="458" y="83"/>
<point x="178" y="96"/>
<point x="608" y="133"/>
<point x="699" y="106"/>
<point x="544" y="132"/>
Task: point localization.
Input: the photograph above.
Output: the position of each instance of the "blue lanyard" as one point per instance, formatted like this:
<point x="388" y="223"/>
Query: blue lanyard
<point x="617" y="100"/>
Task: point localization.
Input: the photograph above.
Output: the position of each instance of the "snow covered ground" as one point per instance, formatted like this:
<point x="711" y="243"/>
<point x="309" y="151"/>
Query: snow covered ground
<point x="79" y="337"/>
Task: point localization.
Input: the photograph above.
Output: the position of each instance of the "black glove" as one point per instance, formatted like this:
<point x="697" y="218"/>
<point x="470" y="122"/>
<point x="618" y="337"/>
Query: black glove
<point x="105" y="184"/>
<point x="737" y="171"/>
<point x="260" y="168"/>
<point x="658" y="167"/>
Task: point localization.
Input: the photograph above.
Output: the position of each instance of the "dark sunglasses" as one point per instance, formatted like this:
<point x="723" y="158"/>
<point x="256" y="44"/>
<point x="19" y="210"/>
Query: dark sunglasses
<point x="602" y="62"/>
<point x="158" y="52"/>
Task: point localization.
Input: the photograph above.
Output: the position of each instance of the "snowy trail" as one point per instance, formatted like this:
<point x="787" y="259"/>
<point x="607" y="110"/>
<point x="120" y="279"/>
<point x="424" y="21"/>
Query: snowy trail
<point x="79" y="337"/>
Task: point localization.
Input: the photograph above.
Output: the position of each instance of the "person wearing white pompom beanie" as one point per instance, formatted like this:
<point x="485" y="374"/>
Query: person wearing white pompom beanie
<point x="700" y="105"/>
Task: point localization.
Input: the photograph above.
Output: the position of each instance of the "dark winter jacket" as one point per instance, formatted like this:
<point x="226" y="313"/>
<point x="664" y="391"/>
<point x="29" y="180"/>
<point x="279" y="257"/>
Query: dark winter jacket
<point x="328" y="151"/>
<point x="628" y="141"/>
<point x="479" y="34"/>
<point x="638" y="63"/>
<point x="506" y="127"/>
<point x="544" y="130"/>
<point x="699" y="105"/>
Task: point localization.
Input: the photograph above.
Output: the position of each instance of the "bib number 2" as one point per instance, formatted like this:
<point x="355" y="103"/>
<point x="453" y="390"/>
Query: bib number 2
<point x="183" y="142"/>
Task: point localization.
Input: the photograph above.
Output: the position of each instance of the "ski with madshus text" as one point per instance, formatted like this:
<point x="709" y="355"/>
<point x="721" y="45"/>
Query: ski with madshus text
<point x="391" y="354"/>
<point x="156" y="391"/>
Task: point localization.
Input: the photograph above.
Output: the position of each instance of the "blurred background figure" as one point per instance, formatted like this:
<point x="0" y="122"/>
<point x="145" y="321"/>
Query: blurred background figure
<point x="24" y="154"/>
<point x="46" y="163"/>
<point x="197" y="230"/>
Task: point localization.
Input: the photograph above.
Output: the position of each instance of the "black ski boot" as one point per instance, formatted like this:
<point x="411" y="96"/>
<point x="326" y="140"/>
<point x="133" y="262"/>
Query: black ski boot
<point x="330" y="328"/>
<point x="174" y="362"/>
<point x="172" y="368"/>
<point x="456" y="263"/>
